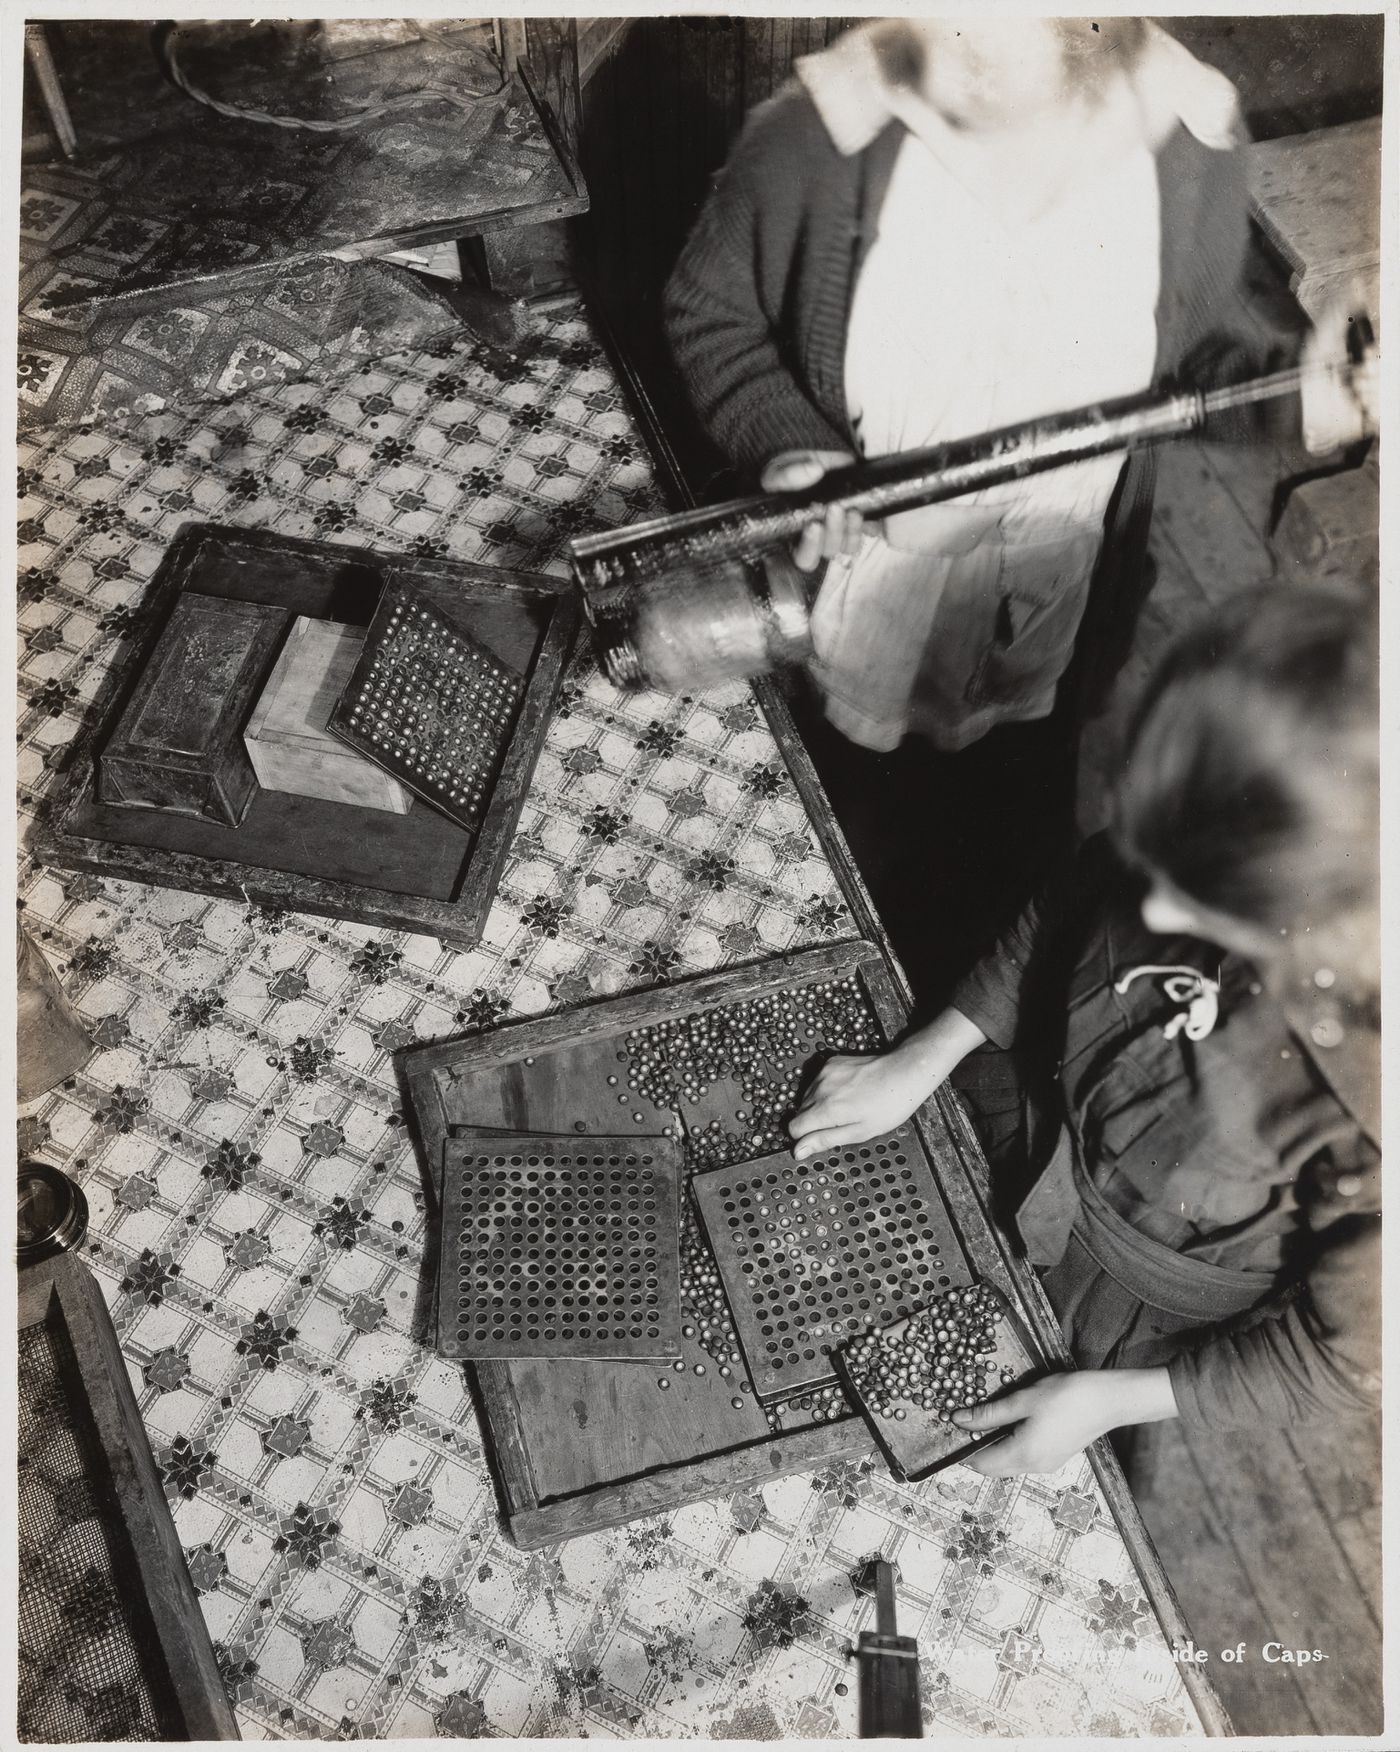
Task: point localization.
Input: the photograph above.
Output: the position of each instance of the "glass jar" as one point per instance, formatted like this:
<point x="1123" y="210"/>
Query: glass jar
<point x="50" y="1040"/>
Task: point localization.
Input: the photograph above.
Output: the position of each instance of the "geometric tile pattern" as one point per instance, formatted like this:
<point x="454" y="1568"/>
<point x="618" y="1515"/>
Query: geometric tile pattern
<point x="257" y="1212"/>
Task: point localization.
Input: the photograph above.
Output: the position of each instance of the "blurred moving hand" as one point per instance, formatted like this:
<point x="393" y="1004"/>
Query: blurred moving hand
<point x="1340" y="400"/>
<point x="841" y="531"/>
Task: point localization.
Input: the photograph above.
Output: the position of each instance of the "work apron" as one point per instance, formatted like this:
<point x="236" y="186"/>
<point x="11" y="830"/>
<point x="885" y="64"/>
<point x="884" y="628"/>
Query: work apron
<point x="1122" y="1298"/>
<point x="949" y="641"/>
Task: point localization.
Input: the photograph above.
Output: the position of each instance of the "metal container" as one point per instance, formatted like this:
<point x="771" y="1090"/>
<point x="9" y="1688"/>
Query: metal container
<point x="179" y="744"/>
<point x="701" y="625"/>
<point x="52" y="1213"/>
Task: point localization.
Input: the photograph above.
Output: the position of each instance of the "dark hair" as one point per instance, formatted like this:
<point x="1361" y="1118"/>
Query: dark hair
<point x="1089" y="47"/>
<point x="901" y="52"/>
<point x="1252" y="780"/>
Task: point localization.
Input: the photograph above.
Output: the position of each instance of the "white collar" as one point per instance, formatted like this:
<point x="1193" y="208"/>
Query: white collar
<point x="847" y="86"/>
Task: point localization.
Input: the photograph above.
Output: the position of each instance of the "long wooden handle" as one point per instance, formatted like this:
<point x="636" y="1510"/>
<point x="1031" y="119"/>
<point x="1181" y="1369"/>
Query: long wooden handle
<point x="611" y="564"/>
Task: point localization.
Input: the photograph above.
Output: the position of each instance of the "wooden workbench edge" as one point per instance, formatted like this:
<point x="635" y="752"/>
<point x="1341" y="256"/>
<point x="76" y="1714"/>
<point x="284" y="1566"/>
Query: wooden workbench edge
<point x="192" y="1673"/>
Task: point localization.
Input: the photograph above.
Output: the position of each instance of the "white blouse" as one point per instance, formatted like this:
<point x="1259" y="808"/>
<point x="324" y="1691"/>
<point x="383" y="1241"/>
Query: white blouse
<point x="977" y="307"/>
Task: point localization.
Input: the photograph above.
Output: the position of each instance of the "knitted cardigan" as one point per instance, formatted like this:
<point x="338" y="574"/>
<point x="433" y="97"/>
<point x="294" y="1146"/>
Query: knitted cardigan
<point x="758" y="307"/>
<point x="759" y="303"/>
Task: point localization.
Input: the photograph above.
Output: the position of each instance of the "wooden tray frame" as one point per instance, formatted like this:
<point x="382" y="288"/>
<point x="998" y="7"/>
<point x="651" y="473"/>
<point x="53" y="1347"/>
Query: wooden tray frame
<point x="64" y="1291"/>
<point x="458" y="923"/>
<point x="533" y="1519"/>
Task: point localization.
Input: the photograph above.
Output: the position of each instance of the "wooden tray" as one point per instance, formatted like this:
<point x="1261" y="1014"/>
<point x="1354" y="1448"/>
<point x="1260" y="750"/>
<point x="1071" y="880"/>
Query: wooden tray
<point x="157" y="1636"/>
<point x="919" y="1445"/>
<point x="414" y="872"/>
<point x="578" y="1446"/>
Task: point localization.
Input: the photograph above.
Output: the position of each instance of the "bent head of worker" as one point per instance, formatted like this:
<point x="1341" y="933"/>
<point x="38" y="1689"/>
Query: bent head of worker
<point x="987" y="73"/>
<point x="1250" y="798"/>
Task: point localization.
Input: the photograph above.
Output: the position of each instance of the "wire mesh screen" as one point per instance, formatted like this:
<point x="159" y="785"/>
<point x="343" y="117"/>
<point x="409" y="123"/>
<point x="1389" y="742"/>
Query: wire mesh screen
<point x="559" y="1247"/>
<point x="81" y="1672"/>
<point x="810" y="1253"/>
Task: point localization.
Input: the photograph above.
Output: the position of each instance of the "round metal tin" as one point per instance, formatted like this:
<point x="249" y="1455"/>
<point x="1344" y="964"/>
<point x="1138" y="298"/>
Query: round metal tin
<point x="52" y="1213"/>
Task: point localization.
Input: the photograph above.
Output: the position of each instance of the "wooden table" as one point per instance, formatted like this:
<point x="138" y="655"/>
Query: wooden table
<point x="203" y="199"/>
<point x="261" y="1225"/>
<point x="1316" y="198"/>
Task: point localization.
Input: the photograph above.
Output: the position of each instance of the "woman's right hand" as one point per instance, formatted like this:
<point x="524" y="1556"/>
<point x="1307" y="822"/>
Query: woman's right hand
<point x="841" y="531"/>
<point x="852" y="1099"/>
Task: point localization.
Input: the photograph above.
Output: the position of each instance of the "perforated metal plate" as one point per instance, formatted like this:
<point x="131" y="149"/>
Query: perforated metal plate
<point x="810" y="1253"/>
<point x="84" y="1650"/>
<point x="559" y="1247"/>
<point x="430" y="705"/>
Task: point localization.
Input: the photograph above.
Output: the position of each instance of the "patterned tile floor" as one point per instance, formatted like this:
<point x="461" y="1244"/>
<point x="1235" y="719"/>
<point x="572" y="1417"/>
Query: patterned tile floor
<point x="258" y="1215"/>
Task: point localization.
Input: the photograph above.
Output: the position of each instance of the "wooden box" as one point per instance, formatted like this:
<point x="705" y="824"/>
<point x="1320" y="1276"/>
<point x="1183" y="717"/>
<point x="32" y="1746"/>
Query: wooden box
<point x="414" y="872"/>
<point x="112" y="1642"/>
<point x="579" y="1445"/>
<point x="178" y="746"/>
<point x="287" y="740"/>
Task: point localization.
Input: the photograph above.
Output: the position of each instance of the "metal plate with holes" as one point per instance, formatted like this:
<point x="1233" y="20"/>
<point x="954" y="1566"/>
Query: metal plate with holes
<point x="559" y="1247"/>
<point x="84" y="1667"/>
<point x="810" y="1253"/>
<point x="430" y="705"/>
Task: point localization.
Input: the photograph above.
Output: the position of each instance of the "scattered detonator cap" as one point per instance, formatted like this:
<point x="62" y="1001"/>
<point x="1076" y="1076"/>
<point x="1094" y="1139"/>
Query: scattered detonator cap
<point x="761" y="1044"/>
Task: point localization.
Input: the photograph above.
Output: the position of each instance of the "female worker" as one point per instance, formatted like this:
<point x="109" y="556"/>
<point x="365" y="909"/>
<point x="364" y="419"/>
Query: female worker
<point x="1193" y="1019"/>
<point x="939" y="227"/>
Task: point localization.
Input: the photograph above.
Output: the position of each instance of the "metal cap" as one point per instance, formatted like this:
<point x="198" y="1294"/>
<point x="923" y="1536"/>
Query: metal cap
<point x="52" y="1214"/>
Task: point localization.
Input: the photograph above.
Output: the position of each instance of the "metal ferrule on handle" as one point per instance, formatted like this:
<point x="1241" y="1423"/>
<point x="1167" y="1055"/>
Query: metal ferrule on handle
<point x="743" y="528"/>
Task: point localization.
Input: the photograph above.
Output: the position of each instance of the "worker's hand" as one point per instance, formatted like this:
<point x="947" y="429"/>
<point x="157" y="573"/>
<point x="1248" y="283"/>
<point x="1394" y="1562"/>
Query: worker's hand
<point x="852" y="1099"/>
<point x="1057" y="1417"/>
<point x="841" y="531"/>
<point x="1339" y="403"/>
